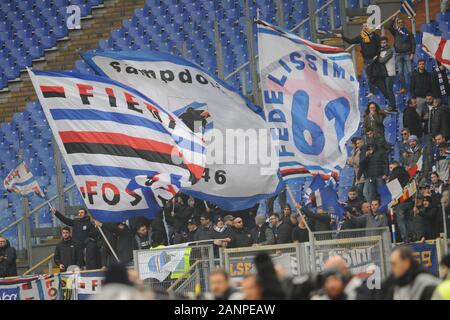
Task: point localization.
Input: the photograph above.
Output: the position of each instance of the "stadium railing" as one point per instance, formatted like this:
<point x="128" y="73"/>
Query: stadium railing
<point x="191" y="271"/>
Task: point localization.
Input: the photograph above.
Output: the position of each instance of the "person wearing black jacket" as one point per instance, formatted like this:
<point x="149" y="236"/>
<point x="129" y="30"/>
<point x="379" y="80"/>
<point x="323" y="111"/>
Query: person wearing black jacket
<point x="435" y="121"/>
<point x="405" y="47"/>
<point x="319" y="221"/>
<point x="420" y="85"/>
<point x="369" y="41"/>
<point x="205" y="231"/>
<point x="373" y="163"/>
<point x="179" y="212"/>
<point x="403" y="211"/>
<point x="67" y="252"/>
<point x="411" y="119"/>
<point x="282" y="231"/>
<point x="240" y="237"/>
<point x="8" y="266"/>
<point x="81" y="225"/>
<point x="124" y="242"/>
<point x="430" y="218"/>
<point x="92" y="249"/>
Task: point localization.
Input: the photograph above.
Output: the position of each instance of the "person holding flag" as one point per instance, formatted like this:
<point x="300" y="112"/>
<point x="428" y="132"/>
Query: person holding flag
<point x="402" y="210"/>
<point x="81" y="225"/>
<point x="405" y="47"/>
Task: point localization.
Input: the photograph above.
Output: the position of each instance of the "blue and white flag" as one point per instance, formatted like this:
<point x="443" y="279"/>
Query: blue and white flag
<point x="408" y="8"/>
<point x="327" y="198"/>
<point x="20" y="180"/>
<point x="237" y="175"/>
<point x="118" y="144"/>
<point x="310" y="95"/>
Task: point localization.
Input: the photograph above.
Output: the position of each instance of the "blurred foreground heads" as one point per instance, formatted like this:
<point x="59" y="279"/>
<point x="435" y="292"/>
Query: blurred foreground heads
<point x="122" y="284"/>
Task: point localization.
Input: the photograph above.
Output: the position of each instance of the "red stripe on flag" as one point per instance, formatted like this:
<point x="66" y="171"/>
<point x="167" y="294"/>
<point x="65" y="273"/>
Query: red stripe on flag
<point x="117" y="139"/>
<point x="52" y="89"/>
<point x="440" y="51"/>
<point x="302" y="170"/>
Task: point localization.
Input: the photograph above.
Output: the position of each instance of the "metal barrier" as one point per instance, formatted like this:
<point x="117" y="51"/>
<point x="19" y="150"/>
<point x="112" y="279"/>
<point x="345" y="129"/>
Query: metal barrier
<point x="190" y="267"/>
<point x="240" y="261"/>
<point x="360" y="248"/>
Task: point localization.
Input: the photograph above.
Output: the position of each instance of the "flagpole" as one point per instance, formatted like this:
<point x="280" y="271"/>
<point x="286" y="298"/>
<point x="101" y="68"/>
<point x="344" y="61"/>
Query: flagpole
<point x="298" y="210"/>
<point x="107" y="242"/>
<point x="445" y="228"/>
<point x="394" y="238"/>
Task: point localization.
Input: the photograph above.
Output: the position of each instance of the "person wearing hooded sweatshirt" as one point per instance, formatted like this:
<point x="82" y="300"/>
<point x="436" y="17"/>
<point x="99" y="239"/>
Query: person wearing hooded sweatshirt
<point x="262" y="234"/>
<point x="408" y="279"/>
<point x="8" y="266"/>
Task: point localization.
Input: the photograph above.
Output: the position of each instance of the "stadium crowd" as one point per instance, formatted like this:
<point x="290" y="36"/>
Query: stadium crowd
<point x="408" y="280"/>
<point x="424" y="138"/>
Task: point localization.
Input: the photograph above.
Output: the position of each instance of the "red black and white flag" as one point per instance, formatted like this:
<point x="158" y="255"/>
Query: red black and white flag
<point x="437" y="47"/>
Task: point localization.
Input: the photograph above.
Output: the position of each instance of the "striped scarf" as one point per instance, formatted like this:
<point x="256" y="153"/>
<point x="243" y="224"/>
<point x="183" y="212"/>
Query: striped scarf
<point x="441" y="81"/>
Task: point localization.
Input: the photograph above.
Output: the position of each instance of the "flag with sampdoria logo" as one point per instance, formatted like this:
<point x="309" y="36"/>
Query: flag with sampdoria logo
<point x="242" y="167"/>
<point x="110" y="134"/>
<point x="310" y="95"/>
<point x="20" y="180"/>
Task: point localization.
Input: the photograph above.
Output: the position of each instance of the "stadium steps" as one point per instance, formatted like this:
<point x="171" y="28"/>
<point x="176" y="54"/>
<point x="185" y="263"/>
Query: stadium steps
<point x="104" y="19"/>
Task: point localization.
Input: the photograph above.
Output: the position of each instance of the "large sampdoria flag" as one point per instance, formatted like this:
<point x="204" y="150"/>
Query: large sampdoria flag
<point x="437" y="47"/>
<point x="126" y="153"/>
<point x="310" y="95"/>
<point x="20" y="180"/>
<point x="241" y="168"/>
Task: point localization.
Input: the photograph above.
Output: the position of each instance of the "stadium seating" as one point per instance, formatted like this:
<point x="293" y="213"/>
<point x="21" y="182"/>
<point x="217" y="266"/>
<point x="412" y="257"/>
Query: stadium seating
<point x="181" y="27"/>
<point x="28" y="27"/>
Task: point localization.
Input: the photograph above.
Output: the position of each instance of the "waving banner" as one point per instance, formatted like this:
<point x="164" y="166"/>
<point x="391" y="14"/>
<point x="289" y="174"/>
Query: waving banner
<point x="241" y="160"/>
<point x="437" y="47"/>
<point x="20" y="180"/>
<point x="110" y="135"/>
<point x="310" y="95"/>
